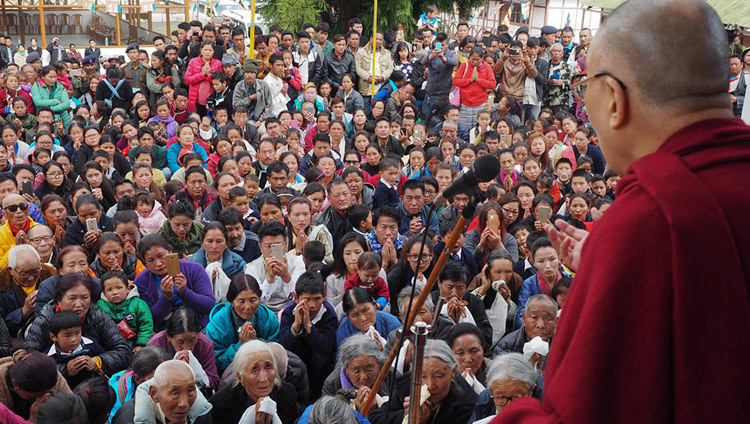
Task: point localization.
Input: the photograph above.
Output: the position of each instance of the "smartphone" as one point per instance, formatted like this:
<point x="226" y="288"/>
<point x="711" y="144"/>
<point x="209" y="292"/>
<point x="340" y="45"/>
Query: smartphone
<point x="310" y="110"/>
<point x="418" y="134"/>
<point x="439" y="45"/>
<point x="91" y="224"/>
<point x="173" y="264"/>
<point x="491" y="100"/>
<point x="293" y="123"/>
<point x="543" y="214"/>
<point x="400" y="33"/>
<point x="506" y="140"/>
<point x="82" y="352"/>
<point x="515" y="51"/>
<point x="28" y="187"/>
<point x="75" y="73"/>
<point x="493" y="221"/>
<point x="277" y="251"/>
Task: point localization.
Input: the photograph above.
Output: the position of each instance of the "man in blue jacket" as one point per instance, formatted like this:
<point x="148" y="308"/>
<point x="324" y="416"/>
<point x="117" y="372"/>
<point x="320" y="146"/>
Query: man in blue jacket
<point x="415" y="215"/>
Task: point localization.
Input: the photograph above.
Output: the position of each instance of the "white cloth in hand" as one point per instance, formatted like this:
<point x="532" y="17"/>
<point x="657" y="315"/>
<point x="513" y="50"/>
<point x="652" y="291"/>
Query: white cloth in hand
<point x="536" y="345"/>
<point x="201" y="378"/>
<point x="267" y="405"/>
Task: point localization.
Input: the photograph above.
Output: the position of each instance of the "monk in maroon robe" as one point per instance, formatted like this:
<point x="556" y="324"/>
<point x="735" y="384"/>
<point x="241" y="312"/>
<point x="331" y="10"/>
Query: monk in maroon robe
<point x="656" y="326"/>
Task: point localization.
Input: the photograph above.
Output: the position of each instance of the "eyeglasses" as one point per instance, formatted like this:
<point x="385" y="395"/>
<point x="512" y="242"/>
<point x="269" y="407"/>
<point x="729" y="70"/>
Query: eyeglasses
<point x="510" y="211"/>
<point x="31" y="273"/>
<point x="37" y="240"/>
<point x="578" y="88"/>
<point x="504" y="400"/>
<point x="14" y="208"/>
<point x="425" y="257"/>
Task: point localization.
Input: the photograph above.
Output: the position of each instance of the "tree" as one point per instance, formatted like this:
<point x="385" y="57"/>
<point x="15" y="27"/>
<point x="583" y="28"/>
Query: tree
<point x="291" y="14"/>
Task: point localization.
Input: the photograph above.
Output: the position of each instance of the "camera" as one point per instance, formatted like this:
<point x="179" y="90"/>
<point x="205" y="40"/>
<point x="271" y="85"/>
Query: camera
<point x="514" y="51"/>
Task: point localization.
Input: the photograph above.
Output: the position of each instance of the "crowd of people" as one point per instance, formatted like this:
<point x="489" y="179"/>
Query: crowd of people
<point x="212" y="234"/>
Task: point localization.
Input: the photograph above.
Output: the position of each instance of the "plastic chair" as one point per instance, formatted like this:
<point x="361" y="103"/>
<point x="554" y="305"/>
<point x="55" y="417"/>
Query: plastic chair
<point x="12" y="22"/>
<point x="51" y="24"/>
<point x="64" y="23"/>
<point x="77" y="23"/>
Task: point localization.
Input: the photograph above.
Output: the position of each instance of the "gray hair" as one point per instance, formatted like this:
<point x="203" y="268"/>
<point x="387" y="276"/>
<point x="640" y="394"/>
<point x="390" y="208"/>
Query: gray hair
<point x="21" y="249"/>
<point x="405" y="294"/>
<point x="358" y="344"/>
<point x="242" y="357"/>
<point x="450" y="123"/>
<point x="162" y="372"/>
<point x="513" y="367"/>
<point x="559" y="46"/>
<point x="440" y="350"/>
<point x="331" y="410"/>
<point x="540" y="297"/>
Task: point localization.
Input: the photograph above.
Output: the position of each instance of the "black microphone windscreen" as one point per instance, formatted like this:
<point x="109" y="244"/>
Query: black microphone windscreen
<point x="486" y="167"/>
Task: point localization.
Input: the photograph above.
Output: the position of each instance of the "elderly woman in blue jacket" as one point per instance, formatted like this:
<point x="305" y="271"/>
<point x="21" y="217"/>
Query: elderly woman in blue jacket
<point x="214" y="250"/>
<point x="242" y="318"/>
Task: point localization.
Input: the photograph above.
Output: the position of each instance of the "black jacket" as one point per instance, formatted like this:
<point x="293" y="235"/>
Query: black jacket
<point x="512" y="343"/>
<point x="456" y="408"/>
<point x="103" y="92"/>
<point x="230" y="402"/>
<point x="47" y="292"/>
<point x="476" y="307"/>
<point x="75" y="231"/>
<point x="96" y="325"/>
<point x="542" y="73"/>
<point x="399" y="277"/>
<point x="334" y="69"/>
<point x="128" y="267"/>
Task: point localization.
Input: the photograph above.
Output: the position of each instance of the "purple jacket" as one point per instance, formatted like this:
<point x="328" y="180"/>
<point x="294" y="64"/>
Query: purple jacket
<point x="198" y="294"/>
<point x="203" y="351"/>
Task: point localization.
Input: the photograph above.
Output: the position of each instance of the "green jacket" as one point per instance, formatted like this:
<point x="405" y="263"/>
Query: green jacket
<point x="138" y="317"/>
<point x="29" y="124"/>
<point x="55" y="98"/>
<point x="192" y="242"/>
<point x="158" y="153"/>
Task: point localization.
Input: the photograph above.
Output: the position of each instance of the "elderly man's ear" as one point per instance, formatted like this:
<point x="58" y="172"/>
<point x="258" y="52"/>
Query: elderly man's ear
<point x="152" y="392"/>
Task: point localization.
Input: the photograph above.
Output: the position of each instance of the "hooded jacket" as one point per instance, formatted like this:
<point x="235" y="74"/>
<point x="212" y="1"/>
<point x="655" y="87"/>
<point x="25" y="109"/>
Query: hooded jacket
<point x="154" y="220"/>
<point x="231" y="262"/>
<point x="222" y="330"/>
<point x="96" y="325"/>
<point x="136" y="314"/>
<point x="190" y="244"/>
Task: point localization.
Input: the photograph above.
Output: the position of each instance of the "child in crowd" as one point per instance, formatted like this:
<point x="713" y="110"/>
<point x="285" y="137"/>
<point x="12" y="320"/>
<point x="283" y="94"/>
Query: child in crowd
<point x="131" y="313"/>
<point x="150" y="214"/>
<point x="76" y="356"/>
<point x="386" y="193"/>
<point x="314" y="251"/>
<point x="360" y="218"/>
<point x="368" y="266"/>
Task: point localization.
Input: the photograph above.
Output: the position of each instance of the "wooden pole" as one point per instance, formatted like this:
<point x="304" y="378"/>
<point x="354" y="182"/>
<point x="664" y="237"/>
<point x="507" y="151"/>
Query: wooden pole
<point x="416" y="306"/>
<point x="42" y="27"/>
<point x="119" y="36"/>
<point x="187" y="13"/>
<point x="251" y="35"/>
<point x="374" y="44"/>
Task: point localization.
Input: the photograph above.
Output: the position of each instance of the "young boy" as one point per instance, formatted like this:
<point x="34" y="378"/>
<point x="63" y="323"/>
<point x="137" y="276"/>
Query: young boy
<point x="238" y="199"/>
<point x="222" y="95"/>
<point x="360" y="218"/>
<point x="252" y="185"/>
<point x="386" y="193"/>
<point x="369" y="265"/>
<point x="308" y="328"/>
<point x="564" y="170"/>
<point x="144" y="154"/>
<point x="429" y="18"/>
<point x="76" y="356"/>
<point x="314" y="251"/>
<point x="580" y="182"/>
<point x="598" y="186"/>
<point x="221" y="117"/>
<point x="129" y="312"/>
<point x="22" y="118"/>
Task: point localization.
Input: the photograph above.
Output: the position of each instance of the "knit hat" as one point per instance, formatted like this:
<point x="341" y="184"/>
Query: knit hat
<point x="33" y="57"/>
<point x="229" y="60"/>
<point x="250" y="65"/>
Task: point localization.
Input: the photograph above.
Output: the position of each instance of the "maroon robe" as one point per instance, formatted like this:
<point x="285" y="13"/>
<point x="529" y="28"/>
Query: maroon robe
<point x="656" y="327"/>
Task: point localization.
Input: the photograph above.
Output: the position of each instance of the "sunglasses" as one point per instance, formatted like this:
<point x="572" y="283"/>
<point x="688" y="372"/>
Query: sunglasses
<point x="14" y="208"/>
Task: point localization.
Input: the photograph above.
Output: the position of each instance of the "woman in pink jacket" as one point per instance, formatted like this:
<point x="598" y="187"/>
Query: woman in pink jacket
<point x="474" y="77"/>
<point x="198" y="77"/>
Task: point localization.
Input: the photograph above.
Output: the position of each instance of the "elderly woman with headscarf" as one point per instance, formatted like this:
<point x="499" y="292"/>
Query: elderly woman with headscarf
<point x="258" y="384"/>
<point x="451" y="399"/>
<point x="510" y="377"/>
<point x="359" y="362"/>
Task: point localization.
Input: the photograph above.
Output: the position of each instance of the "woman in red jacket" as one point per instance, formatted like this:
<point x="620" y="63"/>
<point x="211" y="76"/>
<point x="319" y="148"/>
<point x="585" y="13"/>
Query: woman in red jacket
<point x="474" y="77"/>
<point x="198" y="77"/>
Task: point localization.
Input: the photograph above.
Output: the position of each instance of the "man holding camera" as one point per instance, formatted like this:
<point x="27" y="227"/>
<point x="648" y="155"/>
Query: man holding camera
<point x="513" y="67"/>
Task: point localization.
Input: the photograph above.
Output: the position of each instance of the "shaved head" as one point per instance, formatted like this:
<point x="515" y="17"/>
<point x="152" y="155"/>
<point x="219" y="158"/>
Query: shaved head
<point x="653" y="79"/>
<point x="644" y="43"/>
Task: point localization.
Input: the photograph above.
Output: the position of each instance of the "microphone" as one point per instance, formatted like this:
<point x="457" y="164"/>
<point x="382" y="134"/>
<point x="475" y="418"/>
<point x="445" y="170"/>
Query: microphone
<point x="485" y="168"/>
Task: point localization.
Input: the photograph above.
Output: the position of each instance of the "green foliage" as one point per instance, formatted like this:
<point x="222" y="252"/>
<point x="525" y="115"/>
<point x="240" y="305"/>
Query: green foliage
<point x="390" y="12"/>
<point x="291" y="14"/>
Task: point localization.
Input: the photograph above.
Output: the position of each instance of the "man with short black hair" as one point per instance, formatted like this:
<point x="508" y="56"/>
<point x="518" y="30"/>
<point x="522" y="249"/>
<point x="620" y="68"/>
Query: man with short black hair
<point x="415" y="215"/>
<point x="334" y="217"/>
<point x="440" y="63"/>
<point x="337" y="63"/>
<point x="307" y="59"/>
<point x="241" y="241"/>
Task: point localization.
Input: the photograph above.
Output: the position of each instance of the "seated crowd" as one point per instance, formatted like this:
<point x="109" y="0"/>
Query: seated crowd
<point x="199" y="236"/>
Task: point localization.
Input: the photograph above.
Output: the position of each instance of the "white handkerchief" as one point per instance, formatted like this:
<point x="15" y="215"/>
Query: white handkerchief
<point x="402" y="357"/>
<point x="267" y="405"/>
<point x="372" y="332"/>
<point x="220" y="284"/>
<point x="201" y="378"/>
<point x="473" y="382"/>
<point x="465" y="317"/>
<point x="536" y="345"/>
